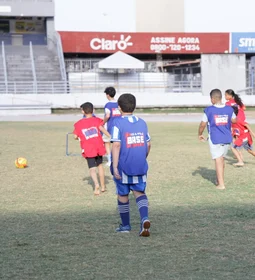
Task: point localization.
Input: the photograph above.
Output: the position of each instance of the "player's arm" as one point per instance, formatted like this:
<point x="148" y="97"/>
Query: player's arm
<point x="148" y="140"/>
<point x="115" y="159"/>
<point x="201" y="129"/>
<point x="233" y="118"/>
<point x="250" y="130"/>
<point x="149" y="148"/>
<point x="107" y="114"/>
<point x="75" y="136"/>
<point x="116" y="144"/>
<point x="102" y="129"/>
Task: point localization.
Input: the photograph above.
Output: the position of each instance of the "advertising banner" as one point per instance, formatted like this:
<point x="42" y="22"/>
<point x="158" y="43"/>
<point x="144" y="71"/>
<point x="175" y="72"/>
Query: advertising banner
<point x="145" y="43"/>
<point x="243" y="42"/>
<point x="27" y="26"/>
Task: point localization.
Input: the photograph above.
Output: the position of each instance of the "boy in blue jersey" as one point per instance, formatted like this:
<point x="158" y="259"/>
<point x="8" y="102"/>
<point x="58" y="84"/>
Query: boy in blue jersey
<point x="111" y="110"/>
<point x="218" y="118"/>
<point x="130" y="148"/>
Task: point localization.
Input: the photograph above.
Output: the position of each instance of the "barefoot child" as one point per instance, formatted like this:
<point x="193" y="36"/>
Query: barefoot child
<point x="242" y="138"/>
<point x="218" y="119"/>
<point x="233" y="99"/>
<point x="87" y="131"/>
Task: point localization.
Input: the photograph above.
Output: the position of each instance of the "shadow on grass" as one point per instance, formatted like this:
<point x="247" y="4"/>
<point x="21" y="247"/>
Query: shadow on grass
<point x="186" y="243"/>
<point x="206" y="173"/>
<point x="230" y="160"/>
<point x="89" y="181"/>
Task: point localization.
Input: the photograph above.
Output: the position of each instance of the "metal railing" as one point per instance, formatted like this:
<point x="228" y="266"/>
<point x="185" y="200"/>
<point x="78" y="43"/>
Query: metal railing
<point x="246" y="91"/>
<point x="4" y="67"/>
<point x="79" y="87"/>
<point x="58" y="45"/>
<point x="150" y="66"/>
<point x="33" y="65"/>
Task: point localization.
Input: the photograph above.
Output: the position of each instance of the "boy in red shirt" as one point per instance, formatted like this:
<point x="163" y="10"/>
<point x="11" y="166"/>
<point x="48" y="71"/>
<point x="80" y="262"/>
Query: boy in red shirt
<point x="242" y="138"/>
<point x="87" y="131"/>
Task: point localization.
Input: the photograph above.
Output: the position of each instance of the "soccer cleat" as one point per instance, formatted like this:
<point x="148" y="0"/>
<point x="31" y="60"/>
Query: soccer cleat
<point x="145" y="228"/>
<point x="122" y="228"/>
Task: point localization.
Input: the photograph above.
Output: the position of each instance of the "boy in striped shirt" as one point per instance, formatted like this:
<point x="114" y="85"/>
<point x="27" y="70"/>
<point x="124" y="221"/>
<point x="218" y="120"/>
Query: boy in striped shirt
<point x="130" y="148"/>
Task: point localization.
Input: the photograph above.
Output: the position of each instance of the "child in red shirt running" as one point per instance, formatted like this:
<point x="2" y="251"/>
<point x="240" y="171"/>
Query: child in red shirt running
<point x="87" y="131"/>
<point x="242" y="138"/>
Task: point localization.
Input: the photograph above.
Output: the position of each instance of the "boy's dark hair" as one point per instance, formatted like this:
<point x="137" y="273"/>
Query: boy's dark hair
<point x="87" y="107"/>
<point x="127" y="102"/>
<point x="236" y="110"/>
<point x="111" y="91"/>
<point x="236" y="97"/>
<point x="216" y="93"/>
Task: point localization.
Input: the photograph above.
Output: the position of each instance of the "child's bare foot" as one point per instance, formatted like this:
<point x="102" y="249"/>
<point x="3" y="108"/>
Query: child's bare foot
<point x="220" y="187"/>
<point x="103" y="189"/>
<point x="96" y="191"/>
<point x="239" y="164"/>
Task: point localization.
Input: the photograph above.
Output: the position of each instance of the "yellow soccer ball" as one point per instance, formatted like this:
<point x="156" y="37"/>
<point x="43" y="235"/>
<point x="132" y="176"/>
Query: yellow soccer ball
<point x="21" y="162"/>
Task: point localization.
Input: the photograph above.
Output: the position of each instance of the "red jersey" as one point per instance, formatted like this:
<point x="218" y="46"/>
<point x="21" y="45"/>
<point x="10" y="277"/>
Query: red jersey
<point x="87" y="129"/>
<point x="240" y="133"/>
<point x="241" y="115"/>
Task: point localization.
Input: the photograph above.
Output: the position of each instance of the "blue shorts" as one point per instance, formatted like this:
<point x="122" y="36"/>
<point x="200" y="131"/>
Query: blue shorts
<point x="245" y="145"/>
<point x="124" y="189"/>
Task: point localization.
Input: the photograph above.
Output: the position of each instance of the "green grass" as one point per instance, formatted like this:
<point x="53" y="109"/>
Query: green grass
<point x="52" y="227"/>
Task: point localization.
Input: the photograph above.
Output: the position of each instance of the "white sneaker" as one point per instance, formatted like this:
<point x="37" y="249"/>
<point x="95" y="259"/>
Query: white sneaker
<point x="108" y="163"/>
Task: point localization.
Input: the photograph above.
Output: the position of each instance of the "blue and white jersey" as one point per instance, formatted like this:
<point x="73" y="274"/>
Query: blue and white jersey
<point x="132" y="133"/>
<point x="111" y="108"/>
<point x="219" y="123"/>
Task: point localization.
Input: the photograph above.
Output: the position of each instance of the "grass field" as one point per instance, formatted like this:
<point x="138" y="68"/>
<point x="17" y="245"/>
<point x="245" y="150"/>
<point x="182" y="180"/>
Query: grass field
<point x="52" y="227"/>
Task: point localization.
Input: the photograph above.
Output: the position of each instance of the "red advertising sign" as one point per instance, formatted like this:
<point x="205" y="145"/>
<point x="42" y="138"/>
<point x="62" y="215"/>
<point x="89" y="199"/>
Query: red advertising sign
<point x="144" y="43"/>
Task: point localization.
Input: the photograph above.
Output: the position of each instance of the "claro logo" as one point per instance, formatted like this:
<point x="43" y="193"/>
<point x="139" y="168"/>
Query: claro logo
<point x="247" y="42"/>
<point x="111" y="45"/>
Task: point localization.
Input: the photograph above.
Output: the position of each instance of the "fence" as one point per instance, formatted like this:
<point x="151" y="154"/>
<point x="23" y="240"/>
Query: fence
<point x="78" y="87"/>
<point x="91" y="65"/>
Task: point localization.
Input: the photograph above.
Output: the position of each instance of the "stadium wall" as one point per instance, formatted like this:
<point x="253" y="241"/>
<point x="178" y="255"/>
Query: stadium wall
<point x="223" y="71"/>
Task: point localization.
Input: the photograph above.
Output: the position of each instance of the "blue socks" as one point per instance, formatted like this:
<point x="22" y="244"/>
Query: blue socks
<point x="142" y="204"/>
<point x="124" y="213"/>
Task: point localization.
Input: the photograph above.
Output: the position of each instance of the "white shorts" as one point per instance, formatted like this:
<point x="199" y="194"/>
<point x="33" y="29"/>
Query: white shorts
<point x="106" y="139"/>
<point x="218" y="150"/>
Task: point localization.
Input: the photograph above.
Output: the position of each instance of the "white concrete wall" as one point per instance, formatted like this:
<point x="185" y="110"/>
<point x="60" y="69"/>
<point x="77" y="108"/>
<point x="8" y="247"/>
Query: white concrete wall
<point x="159" y="16"/>
<point x="219" y="15"/>
<point x="143" y="99"/>
<point x="96" y="15"/>
<point x="223" y="71"/>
